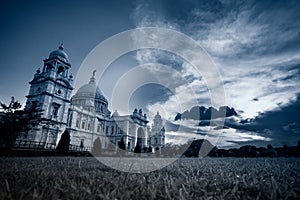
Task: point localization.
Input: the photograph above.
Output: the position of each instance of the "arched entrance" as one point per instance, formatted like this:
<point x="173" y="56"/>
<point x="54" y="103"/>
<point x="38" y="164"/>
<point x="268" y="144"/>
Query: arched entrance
<point x="141" y="137"/>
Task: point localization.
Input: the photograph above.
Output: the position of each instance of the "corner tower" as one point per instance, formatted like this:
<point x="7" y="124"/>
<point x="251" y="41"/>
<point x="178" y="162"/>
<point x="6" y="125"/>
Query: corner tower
<point x="158" y="132"/>
<point x="50" y="91"/>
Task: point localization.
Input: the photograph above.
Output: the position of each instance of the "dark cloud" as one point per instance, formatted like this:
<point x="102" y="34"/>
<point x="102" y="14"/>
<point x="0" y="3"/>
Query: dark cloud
<point x="149" y="94"/>
<point x="292" y="73"/>
<point x="257" y="143"/>
<point x="202" y="113"/>
<point x="255" y="28"/>
<point x="282" y="125"/>
<point x="184" y="130"/>
<point x="183" y="10"/>
<point x="260" y="38"/>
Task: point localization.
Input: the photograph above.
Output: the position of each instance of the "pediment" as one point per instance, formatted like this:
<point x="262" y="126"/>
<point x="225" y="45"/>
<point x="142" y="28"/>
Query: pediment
<point x="63" y="82"/>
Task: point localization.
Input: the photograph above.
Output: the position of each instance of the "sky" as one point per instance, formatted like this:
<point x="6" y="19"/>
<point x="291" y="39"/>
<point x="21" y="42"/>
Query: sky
<point x="255" y="46"/>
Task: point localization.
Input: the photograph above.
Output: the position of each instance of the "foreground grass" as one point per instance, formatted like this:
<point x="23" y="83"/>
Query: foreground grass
<point x="209" y="178"/>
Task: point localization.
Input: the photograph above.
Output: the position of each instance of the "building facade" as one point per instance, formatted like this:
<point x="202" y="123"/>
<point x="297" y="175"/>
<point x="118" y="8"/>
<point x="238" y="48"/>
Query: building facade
<point x="86" y="114"/>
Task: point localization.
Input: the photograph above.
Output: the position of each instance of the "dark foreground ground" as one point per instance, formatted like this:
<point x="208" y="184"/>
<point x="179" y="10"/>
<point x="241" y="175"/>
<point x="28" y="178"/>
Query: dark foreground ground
<point x="209" y="178"/>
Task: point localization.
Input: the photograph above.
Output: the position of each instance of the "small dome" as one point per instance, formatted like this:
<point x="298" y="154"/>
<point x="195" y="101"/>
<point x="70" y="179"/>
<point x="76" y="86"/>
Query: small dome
<point x="60" y="53"/>
<point x="116" y="114"/>
<point x="157" y="116"/>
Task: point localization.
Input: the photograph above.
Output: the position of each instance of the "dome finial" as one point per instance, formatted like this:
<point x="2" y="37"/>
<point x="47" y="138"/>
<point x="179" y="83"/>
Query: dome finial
<point x="61" y="47"/>
<point x="92" y="79"/>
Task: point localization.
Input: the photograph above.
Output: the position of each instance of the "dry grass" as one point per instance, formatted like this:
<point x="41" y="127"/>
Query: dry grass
<point x="209" y="178"/>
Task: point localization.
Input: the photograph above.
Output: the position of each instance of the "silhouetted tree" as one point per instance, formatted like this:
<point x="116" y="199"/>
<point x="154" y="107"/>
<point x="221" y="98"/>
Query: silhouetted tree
<point x="270" y="152"/>
<point x="122" y="147"/>
<point x="122" y="144"/>
<point x="145" y="149"/>
<point x="81" y="145"/>
<point x="111" y="148"/>
<point x="8" y="129"/>
<point x="14" y="121"/>
<point x="96" y="151"/>
<point x="30" y="117"/>
<point x="137" y="148"/>
<point x="213" y="152"/>
<point x="285" y="150"/>
<point x="157" y="153"/>
<point x="194" y="148"/>
<point x="298" y="149"/>
<point x="149" y="150"/>
<point x="168" y="151"/>
<point x="189" y="152"/>
<point x="63" y="144"/>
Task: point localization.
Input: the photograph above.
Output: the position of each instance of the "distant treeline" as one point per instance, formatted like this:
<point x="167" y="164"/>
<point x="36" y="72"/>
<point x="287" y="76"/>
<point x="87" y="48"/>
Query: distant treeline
<point x="197" y="149"/>
<point x="253" y="151"/>
<point x="203" y="148"/>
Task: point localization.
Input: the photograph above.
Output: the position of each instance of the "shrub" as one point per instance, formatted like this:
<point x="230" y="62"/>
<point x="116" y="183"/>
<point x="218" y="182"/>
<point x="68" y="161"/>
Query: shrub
<point x="96" y="151"/>
<point x="63" y="144"/>
<point x="137" y="148"/>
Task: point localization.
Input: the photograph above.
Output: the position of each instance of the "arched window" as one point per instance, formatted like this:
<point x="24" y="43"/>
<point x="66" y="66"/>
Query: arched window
<point x="55" y="108"/>
<point x="78" y="123"/>
<point x="112" y="130"/>
<point x="82" y="143"/>
<point x="60" y="69"/>
<point x="96" y="106"/>
<point x="48" y="67"/>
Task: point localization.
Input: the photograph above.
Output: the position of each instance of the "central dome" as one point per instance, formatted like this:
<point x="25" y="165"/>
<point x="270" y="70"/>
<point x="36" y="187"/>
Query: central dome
<point x="89" y="97"/>
<point x="90" y="91"/>
<point x="60" y="53"/>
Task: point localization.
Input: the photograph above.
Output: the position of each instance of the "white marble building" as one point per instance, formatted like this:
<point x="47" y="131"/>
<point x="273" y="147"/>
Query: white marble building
<point x="85" y="114"/>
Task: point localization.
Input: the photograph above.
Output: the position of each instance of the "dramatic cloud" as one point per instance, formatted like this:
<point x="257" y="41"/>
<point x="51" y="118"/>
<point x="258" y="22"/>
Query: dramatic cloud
<point x="282" y="125"/>
<point x="256" y="47"/>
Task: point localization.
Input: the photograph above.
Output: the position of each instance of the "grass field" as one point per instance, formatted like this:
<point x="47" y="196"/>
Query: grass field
<point x="209" y="178"/>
